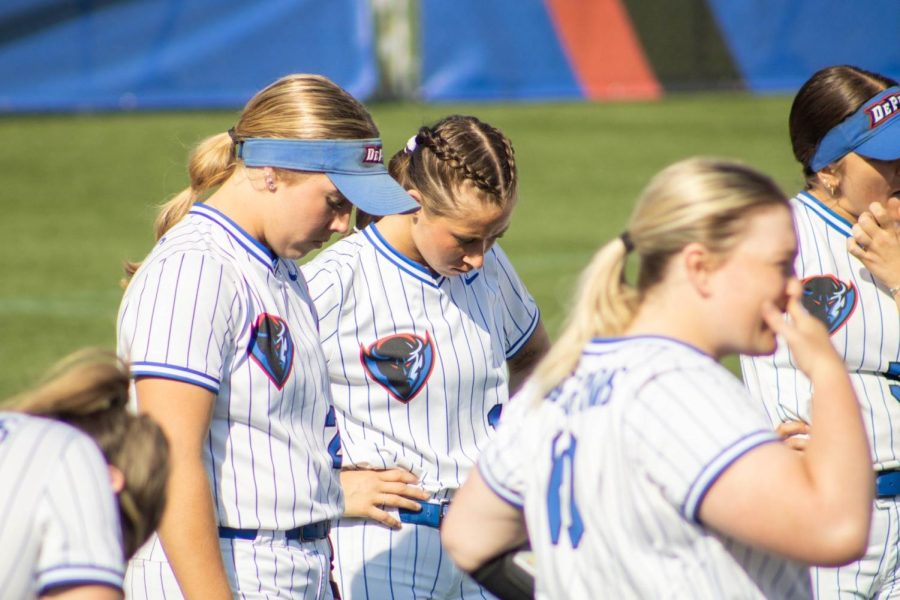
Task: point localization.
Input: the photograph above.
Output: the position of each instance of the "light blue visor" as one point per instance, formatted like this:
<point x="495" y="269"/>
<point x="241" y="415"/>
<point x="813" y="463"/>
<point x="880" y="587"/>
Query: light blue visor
<point x="871" y="132"/>
<point x="355" y="167"/>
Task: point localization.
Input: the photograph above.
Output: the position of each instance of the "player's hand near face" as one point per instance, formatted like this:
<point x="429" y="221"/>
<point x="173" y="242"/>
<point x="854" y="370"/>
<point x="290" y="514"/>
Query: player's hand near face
<point x="876" y="241"/>
<point x="368" y="492"/>
<point x="805" y="335"/>
<point x="808" y="505"/>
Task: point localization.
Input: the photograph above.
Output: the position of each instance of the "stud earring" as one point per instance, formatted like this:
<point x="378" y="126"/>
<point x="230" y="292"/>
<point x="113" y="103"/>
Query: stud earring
<point x="270" y="183"/>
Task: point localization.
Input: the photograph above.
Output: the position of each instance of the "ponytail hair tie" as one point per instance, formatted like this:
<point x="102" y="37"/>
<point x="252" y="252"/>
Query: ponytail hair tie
<point x="235" y="143"/>
<point x="627" y="242"/>
<point x="411" y="145"/>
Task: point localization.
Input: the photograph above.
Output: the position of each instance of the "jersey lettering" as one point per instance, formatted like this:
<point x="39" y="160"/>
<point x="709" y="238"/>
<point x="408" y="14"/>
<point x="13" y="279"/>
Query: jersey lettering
<point x="334" y="446"/>
<point x="562" y="510"/>
<point x="893" y="371"/>
<point x="493" y="416"/>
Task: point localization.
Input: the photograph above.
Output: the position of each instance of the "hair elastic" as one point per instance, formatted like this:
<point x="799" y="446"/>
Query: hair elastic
<point x="627" y="242"/>
<point x="411" y="144"/>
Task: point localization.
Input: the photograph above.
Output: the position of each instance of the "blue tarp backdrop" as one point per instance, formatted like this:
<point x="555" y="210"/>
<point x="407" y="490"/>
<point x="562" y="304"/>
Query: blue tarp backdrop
<point x="777" y="44"/>
<point x="115" y="54"/>
<point x="62" y="55"/>
<point x="510" y="51"/>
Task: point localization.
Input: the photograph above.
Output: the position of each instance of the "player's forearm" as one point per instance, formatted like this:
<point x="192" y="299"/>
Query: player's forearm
<point x="189" y="534"/>
<point x="480" y="526"/>
<point x="838" y="456"/>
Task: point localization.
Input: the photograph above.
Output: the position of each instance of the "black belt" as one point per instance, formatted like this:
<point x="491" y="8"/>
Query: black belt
<point x="431" y="514"/>
<point x="306" y="533"/>
<point x="887" y="483"/>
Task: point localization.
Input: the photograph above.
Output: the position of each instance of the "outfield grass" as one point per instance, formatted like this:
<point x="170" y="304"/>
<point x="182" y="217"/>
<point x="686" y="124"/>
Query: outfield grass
<point x="80" y="194"/>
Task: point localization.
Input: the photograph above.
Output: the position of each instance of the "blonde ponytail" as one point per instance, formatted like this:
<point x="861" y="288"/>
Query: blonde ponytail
<point x="605" y="305"/>
<point x="298" y="106"/>
<point x="210" y="164"/>
<point x="705" y="200"/>
<point x="88" y="381"/>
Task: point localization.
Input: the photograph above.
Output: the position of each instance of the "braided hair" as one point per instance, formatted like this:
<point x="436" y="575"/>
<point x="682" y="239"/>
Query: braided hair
<point x="454" y="152"/>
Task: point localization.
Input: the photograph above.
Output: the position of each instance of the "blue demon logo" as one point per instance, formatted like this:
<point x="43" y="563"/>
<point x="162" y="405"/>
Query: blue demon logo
<point x="829" y="299"/>
<point x="272" y="348"/>
<point x="400" y="363"/>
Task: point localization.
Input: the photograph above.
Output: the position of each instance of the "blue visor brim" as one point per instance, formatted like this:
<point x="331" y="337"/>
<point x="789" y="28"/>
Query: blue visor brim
<point x="375" y="194"/>
<point x="871" y="132"/>
<point x="354" y="166"/>
<point x="883" y="146"/>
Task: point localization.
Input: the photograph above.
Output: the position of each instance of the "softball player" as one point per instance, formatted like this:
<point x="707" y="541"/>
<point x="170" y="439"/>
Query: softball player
<point x="645" y="470"/>
<point x="221" y="332"/>
<point x="60" y="527"/>
<point x="60" y="534"/>
<point x="425" y="327"/>
<point x="845" y="135"/>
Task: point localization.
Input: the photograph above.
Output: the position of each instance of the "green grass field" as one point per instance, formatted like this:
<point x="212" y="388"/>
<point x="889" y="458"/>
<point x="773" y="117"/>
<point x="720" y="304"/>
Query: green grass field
<point x="80" y="193"/>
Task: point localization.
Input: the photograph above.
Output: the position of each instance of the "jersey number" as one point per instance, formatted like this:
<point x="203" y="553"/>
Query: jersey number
<point x="561" y="506"/>
<point x="334" y="446"/>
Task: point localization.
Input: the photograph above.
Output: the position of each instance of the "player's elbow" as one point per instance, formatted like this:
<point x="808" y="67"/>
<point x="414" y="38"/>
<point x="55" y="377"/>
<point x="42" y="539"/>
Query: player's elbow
<point x="461" y="548"/>
<point x="842" y="541"/>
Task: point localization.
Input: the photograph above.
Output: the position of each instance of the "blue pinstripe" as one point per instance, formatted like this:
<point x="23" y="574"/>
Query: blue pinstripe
<point x="652" y="440"/>
<point x="254" y="432"/>
<point x="867" y="341"/>
<point x="444" y="425"/>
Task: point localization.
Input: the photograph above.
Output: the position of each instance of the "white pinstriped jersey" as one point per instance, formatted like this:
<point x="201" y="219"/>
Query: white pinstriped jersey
<point x="59" y="524"/>
<point x="865" y="328"/>
<point x="613" y="467"/>
<point x="417" y="361"/>
<point x="212" y="307"/>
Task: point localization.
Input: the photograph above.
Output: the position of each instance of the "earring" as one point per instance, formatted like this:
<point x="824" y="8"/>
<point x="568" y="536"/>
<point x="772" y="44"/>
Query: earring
<point x="270" y="183"/>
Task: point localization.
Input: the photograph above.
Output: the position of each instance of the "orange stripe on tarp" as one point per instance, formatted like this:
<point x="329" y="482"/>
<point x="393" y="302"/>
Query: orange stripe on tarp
<point x="603" y="49"/>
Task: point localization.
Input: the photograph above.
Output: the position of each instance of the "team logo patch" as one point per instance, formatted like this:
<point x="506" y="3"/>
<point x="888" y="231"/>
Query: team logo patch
<point x="399" y="363"/>
<point x="829" y="299"/>
<point x="373" y="155"/>
<point x="272" y="348"/>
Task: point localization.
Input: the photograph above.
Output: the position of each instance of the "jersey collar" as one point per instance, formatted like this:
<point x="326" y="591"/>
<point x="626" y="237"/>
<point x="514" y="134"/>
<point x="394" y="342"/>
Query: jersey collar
<point x="247" y="241"/>
<point x="407" y="265"/>
<point x="600" y="345"/>
<point x="830" y="217"/>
